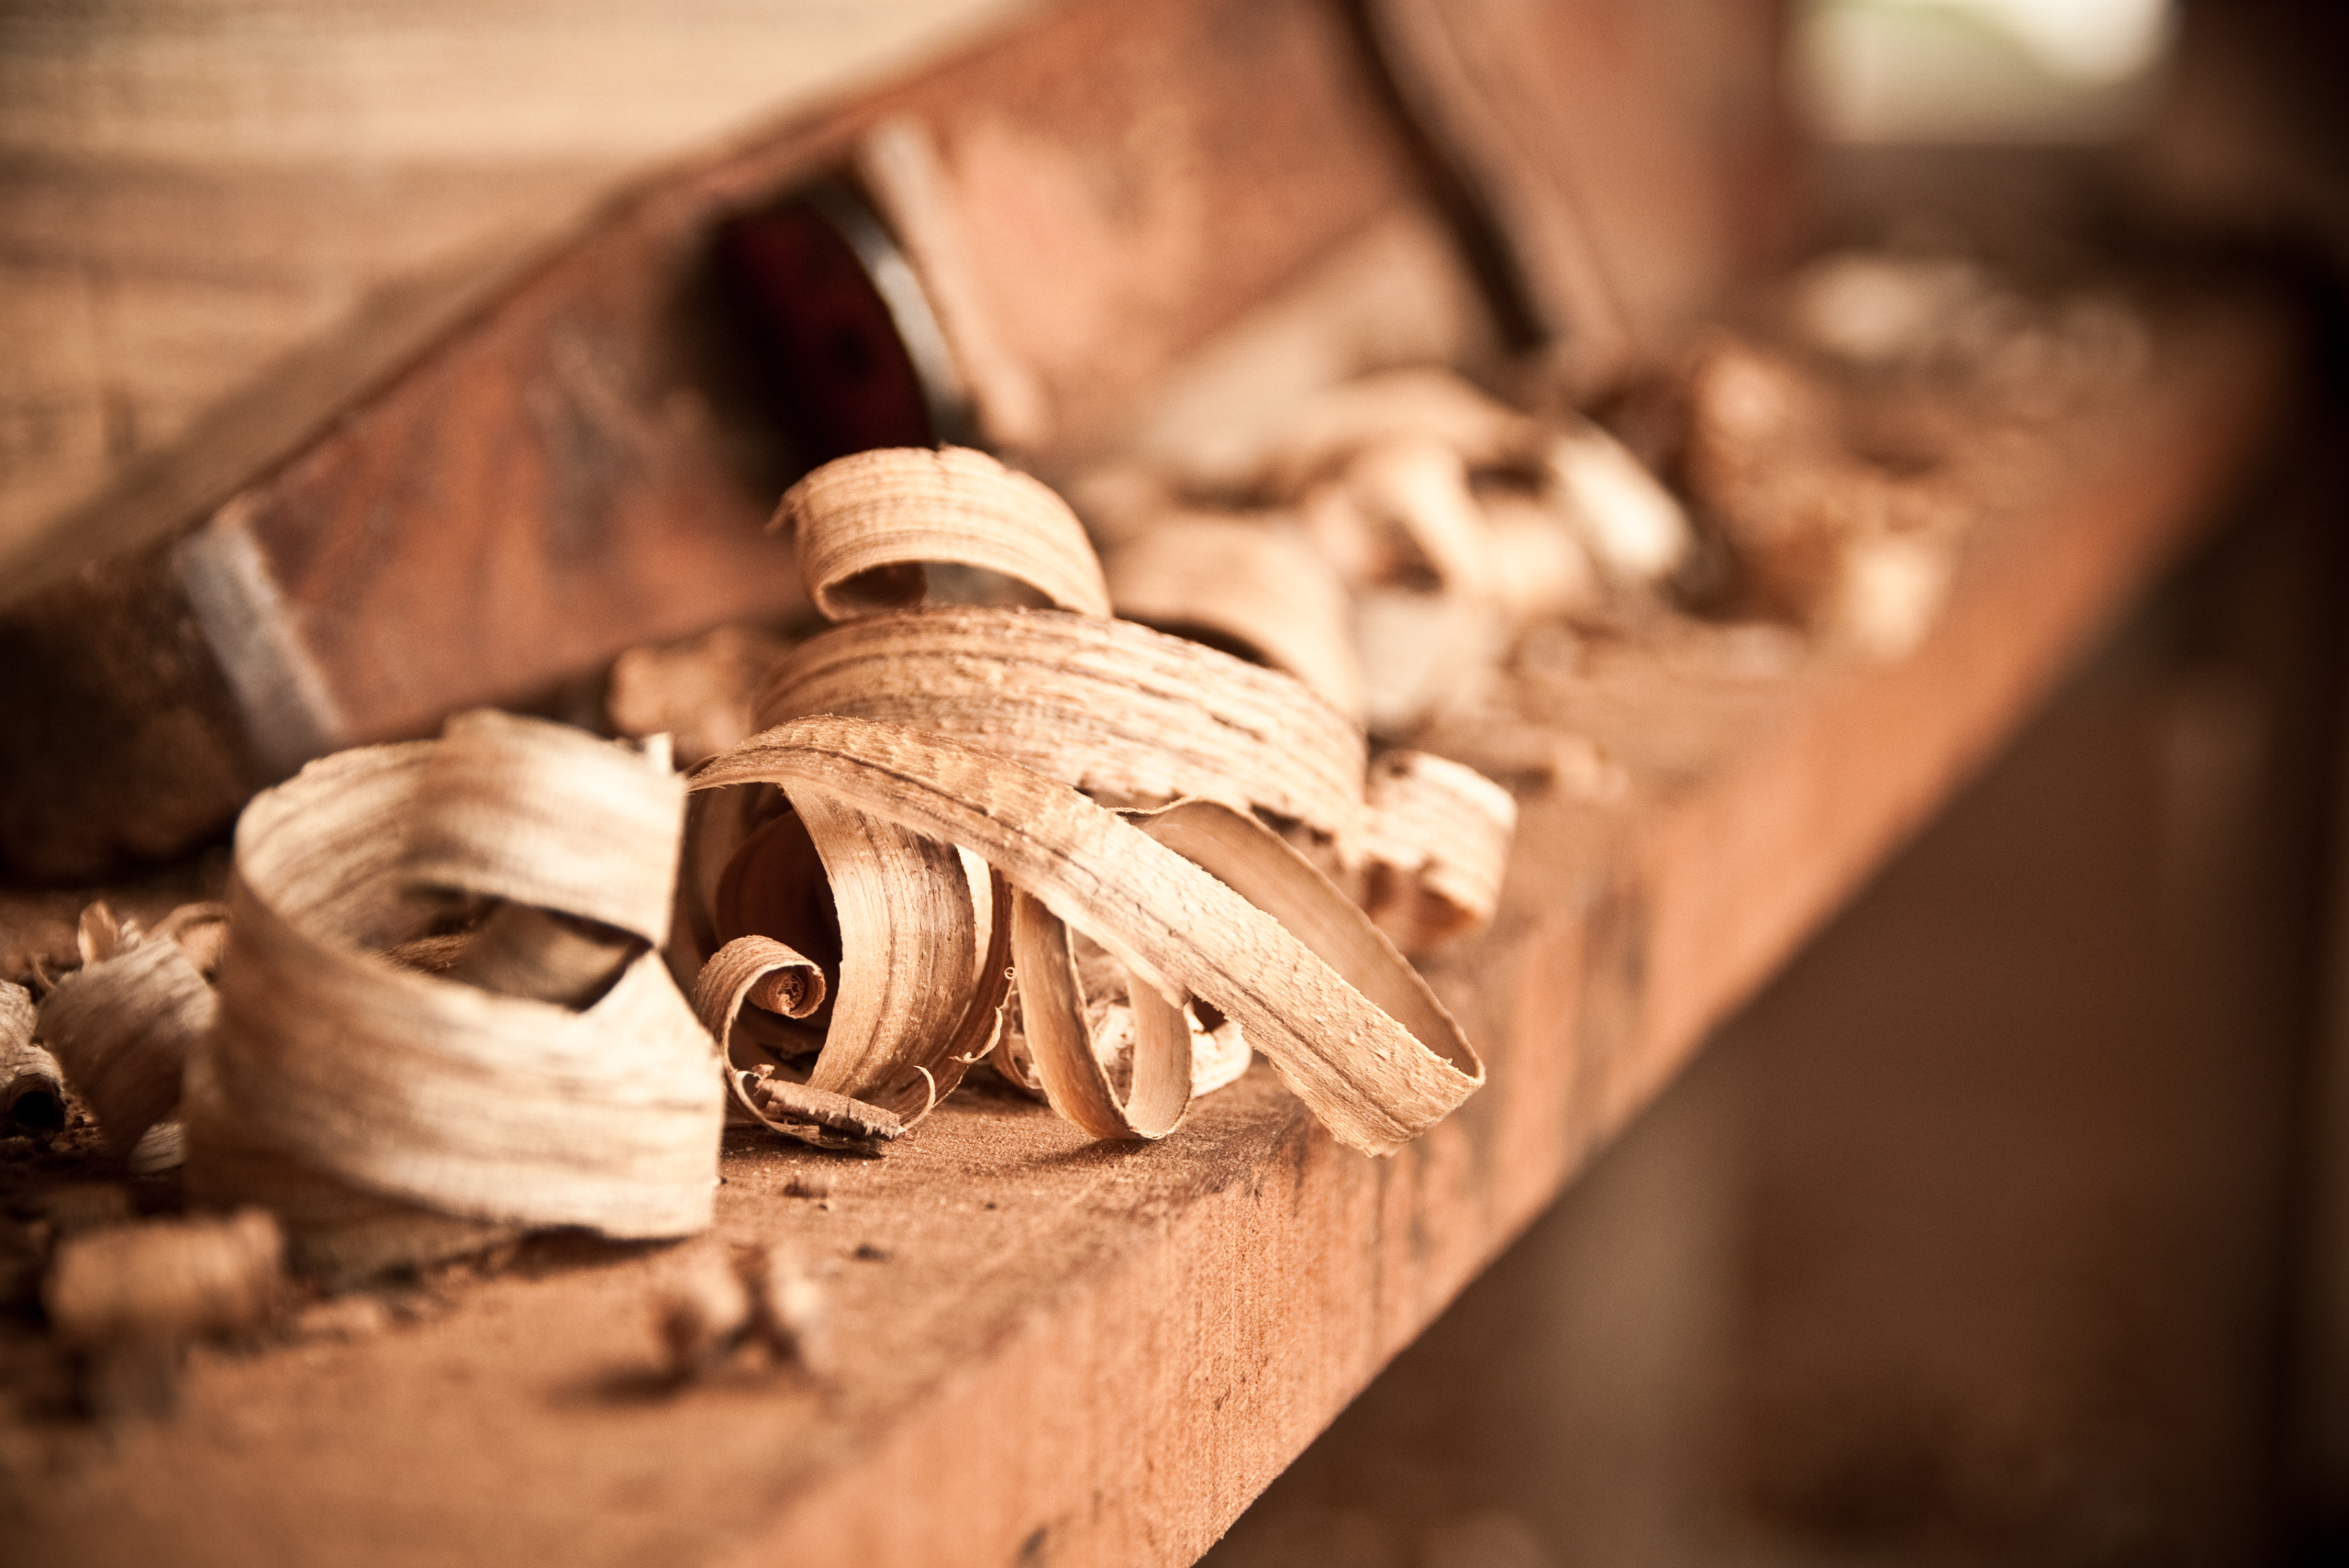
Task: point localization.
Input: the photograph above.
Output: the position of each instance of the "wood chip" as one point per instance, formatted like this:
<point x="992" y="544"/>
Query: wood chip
<point x="864" y="526"/>
<point x="171" y="1280"/>
<point x="793" y="1106"/>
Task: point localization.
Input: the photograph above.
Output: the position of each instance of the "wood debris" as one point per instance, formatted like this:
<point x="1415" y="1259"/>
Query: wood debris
<point x="390" y="1115"/>
<point x="712" y="1303"/>
<point x="925" y="804"/>
<point x="165" y="1279"/>
<point x="1860" y="553"/>
<point x="696" y="692"/>
<point x="128" y="1298"/>
<point x="987" y="814"/>
<point x="32" y="1085"/>
<point x="817" y="1116"/>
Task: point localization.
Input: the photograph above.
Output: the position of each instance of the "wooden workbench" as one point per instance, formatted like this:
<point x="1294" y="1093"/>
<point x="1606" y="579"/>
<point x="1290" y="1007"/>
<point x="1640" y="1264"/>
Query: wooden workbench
<point x="1051" y="1350"/>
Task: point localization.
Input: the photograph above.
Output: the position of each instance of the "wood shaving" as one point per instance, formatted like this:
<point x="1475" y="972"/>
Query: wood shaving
<point x="1439" y="839"/>
<point x="124" y="1026"/>
<point x="712" y="1303"/>
<point x="928" y="765"/>
<point x="696" y="692"/>
<point x="388" y="1114"/>
<point x="815" y="1115"/>
<point x="1255" y="585"/>
<point x="863" y="527"/>
<point x="32" y="1085"/>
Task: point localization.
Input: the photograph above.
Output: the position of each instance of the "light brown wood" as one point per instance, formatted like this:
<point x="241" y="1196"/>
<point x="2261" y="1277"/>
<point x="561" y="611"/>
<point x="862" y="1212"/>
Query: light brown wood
<point x="219" y="221"/>
<point x="1046" y="1351"/>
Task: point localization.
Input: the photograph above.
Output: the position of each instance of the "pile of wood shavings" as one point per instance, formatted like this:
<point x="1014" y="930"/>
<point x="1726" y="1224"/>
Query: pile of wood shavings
<point x="1108" y="862"/>
<point x="449" y="1006"/>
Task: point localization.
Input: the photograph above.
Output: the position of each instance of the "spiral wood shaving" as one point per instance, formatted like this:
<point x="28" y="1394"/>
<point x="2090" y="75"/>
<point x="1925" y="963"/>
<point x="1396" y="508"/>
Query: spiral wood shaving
<point x="557" y="1078"/>
<point x="442" y="1014"/>
<point x="951" y="775"/>
<point x="123" y="1026"/>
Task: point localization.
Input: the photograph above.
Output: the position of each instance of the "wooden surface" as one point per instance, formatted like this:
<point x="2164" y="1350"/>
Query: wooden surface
<point x="1050" y="1351"/>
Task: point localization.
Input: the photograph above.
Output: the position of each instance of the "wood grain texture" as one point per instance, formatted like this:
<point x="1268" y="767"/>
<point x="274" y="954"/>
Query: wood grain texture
<point x="1051" y="1351"/>
<point x="200" y="199"/>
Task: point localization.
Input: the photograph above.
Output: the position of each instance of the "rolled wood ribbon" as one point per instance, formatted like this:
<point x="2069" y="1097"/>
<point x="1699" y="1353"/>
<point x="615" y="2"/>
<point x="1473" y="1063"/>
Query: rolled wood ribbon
<point x="943" y="882"/>
<point x="361" y="1098"/>
<point x="863" y="527"/>
<point x="123" y="1026"/>
<point x="1347" y="1023"/>
<point x="1250" y="582"/>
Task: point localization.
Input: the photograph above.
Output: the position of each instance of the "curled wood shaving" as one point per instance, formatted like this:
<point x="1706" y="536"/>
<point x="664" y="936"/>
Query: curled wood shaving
<point x="32" y="1088"/>
<point x="863" y="525"/>
<point x="1453" y="522"/>
<point x="1108" y="705"/>
<point x="1420" y="485"/>
<point x="547" y="816"/>
<point x="759" y="971"/>
<point x="1376" y="1077"/>
<point x="354" y="1095"/>
<point x="1054" y="1020"/>
<point x="124" y="1025"/>
<point x="933" y="890"/>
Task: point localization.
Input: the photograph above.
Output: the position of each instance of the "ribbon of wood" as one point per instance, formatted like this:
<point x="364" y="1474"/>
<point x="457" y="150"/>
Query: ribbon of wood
<point x="1347" y="1023"/>
<point x="1108" y="705"/>
<point x="864" y="526"/>
<point x="123" y="1026"/>
<point x="355" y="1094"/>
<point x="920" y="921"/>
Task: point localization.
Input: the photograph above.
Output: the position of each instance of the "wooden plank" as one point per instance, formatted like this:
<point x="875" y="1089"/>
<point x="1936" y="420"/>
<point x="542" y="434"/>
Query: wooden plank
<point x="1049" y="1351"/>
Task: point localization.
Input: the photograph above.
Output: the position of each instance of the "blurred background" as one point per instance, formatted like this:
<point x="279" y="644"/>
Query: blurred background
<point x="2009" y="1225"/>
